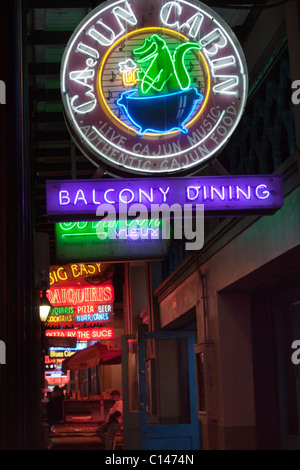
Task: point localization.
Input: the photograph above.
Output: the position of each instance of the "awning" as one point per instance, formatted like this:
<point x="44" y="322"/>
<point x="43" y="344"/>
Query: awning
<point x="91" y="356"/>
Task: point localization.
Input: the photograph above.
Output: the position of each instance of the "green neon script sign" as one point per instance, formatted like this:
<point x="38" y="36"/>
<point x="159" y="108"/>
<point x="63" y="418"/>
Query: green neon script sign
<point x="109" y="240"/>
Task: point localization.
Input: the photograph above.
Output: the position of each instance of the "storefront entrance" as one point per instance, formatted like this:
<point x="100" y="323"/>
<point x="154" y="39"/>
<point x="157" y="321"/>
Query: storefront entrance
<point x="159" y="391"/>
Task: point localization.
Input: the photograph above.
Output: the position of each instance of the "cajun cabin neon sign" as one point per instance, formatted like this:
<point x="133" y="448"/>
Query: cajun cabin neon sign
<point x="153" y="86"/>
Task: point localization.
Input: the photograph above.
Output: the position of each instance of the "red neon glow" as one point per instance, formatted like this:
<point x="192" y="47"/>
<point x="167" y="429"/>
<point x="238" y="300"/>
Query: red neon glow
<point x="74" y="295"/>
<point x="49" y="361"/>
<point x="83" y="334"/>
<point x="63" y="379"/>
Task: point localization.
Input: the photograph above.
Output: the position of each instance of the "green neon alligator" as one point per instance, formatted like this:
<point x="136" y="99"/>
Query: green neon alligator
<point x="166" y="72"/>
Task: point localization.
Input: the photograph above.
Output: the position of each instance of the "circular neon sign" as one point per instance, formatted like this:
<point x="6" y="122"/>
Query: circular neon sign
<point x="153" y="87"/>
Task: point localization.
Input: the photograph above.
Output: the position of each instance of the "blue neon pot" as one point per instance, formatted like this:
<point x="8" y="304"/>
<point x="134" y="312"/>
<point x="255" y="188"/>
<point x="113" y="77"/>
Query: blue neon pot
<point x="160" y="113"/>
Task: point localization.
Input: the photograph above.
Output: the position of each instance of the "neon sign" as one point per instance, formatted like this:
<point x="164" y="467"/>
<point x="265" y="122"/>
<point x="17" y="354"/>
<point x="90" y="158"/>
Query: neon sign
<point x="78" y="296"/>
<point x="73" y="304"/>
<point x="55" y="378"/>
<point x="163" y="88"/>
<point x="167" y="71"/>
<point x="224" y="195"/>
<point x="53" y="354"/>
<point x="110" y="239"/>
<point x="83" y="334"/>
<point x="153" y="89"/>
<point x="59" y="353"/>
<point x="74" y="271"/>
<point x="127" y="229"/>
<point x="80" y="292"/>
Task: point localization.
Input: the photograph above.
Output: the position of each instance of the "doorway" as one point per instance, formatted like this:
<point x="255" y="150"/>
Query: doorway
<point x="159" y="391"/>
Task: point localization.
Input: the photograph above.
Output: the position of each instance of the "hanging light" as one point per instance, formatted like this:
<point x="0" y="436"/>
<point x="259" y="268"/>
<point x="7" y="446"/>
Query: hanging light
<point x="44" y="307"/>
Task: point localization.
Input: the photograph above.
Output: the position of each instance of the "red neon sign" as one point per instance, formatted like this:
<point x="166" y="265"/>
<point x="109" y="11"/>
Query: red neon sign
<point x="87" y="334"/>
<point x="76" y="296"/>
<point x="48" y="360"/>
<point x="63" y="379"/>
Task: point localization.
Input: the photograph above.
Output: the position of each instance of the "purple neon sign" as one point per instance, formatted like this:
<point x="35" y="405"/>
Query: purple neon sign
<point x="225" y="195"/>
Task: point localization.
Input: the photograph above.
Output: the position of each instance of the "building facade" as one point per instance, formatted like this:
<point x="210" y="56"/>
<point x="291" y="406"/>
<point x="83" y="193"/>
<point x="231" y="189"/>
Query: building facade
<point x="241" y="291"/>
